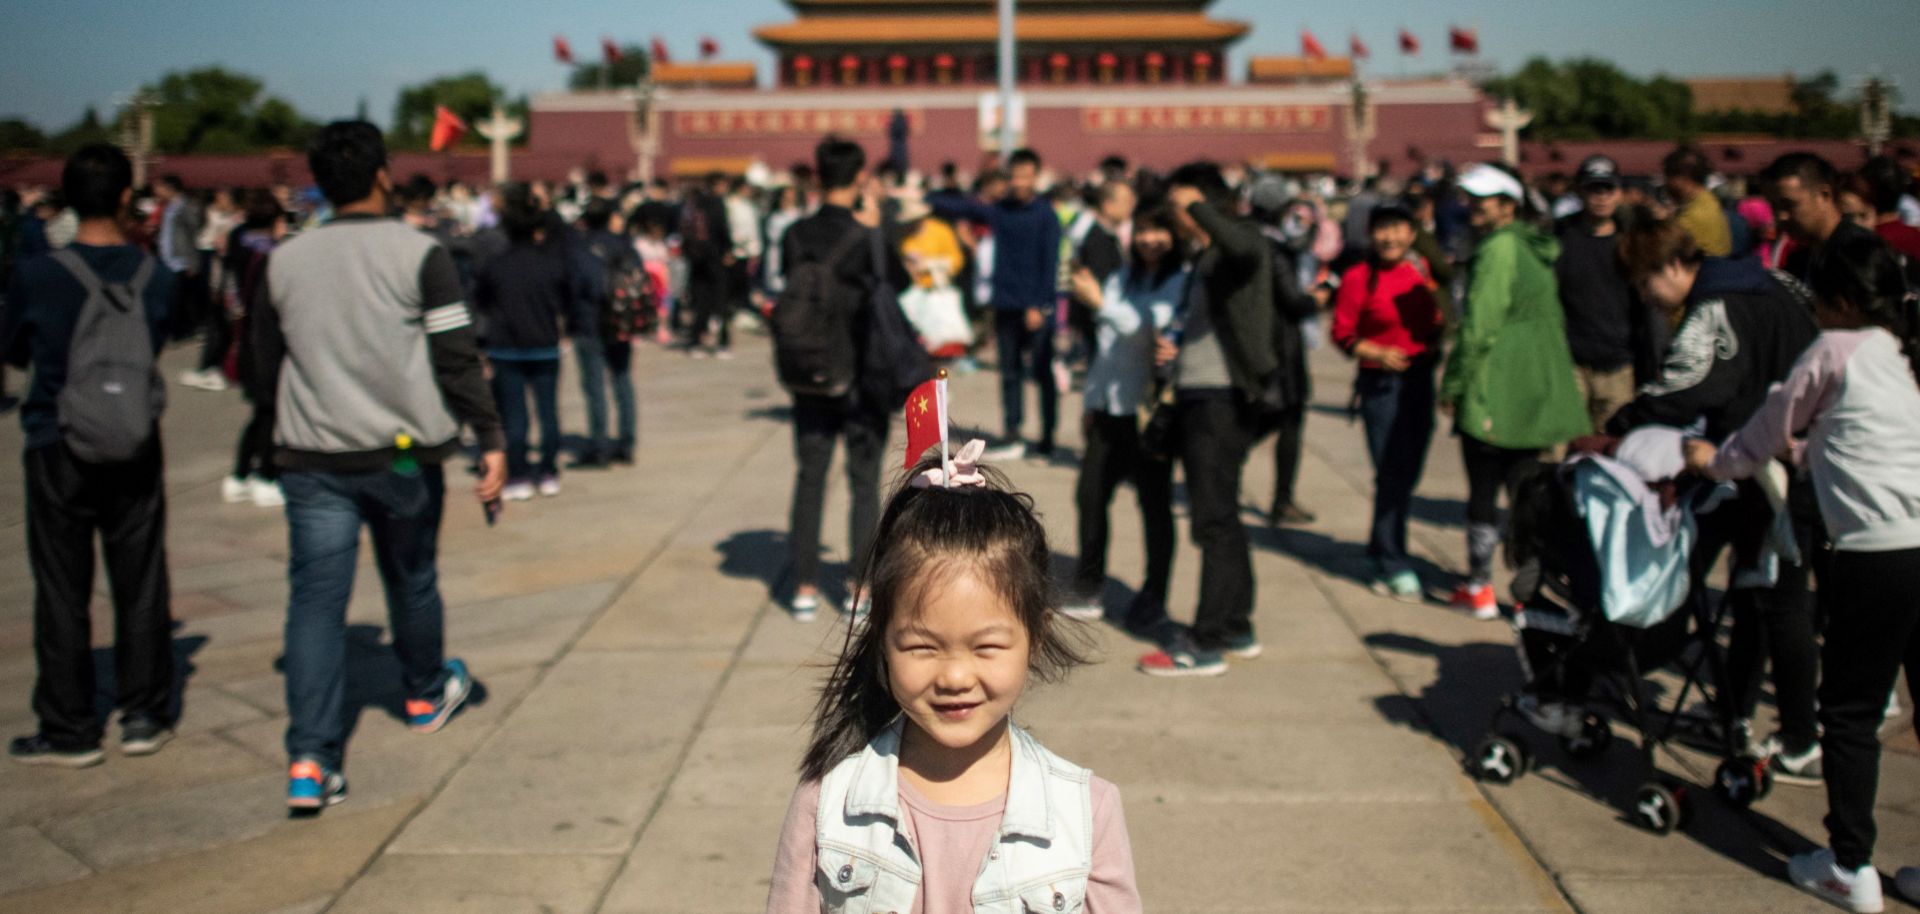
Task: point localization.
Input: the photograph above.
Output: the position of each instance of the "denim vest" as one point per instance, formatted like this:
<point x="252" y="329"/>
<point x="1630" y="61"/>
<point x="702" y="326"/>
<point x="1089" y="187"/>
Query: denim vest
<point x="1038" y="864"/>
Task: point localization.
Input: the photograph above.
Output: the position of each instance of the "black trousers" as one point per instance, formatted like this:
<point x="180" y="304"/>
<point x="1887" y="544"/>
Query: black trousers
<point x="1873" y="629"/>
<point x="1490" y="468"/>
<point x="816" y="424"/>
<point x="253" y="456"/>
<point x="711" y="306"/>
<point x="1214" y="434"/>
<point x="1025" y="354"/>
<point x="1113" y="456"/>
<point x="1289" y="427"/>
<point x="68" y="502"/>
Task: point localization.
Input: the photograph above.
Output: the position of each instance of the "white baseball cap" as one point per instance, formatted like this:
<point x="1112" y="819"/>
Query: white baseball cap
<point x="1488" y="181"/>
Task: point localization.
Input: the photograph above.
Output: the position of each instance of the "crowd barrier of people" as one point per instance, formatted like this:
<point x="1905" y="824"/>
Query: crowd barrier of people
<point x="1765" y="330"/>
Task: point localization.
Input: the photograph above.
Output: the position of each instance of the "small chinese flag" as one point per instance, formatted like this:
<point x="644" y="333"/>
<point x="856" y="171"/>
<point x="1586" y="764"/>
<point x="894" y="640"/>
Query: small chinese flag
<point x="1408" y="43"/>
<point x="562" y="51"/>
<point x="609" y="51"/>
<point x="708" y="48"/>
<point x="448" y="128"/>
<point x="927" y="420"/>
<point x="660" y="54"/>
<point x="1358" y="47"/>
<point x="1311" y="47"/>
<point x="1464" y="41"/>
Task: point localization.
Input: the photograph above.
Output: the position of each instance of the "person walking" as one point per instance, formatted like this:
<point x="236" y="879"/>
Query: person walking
<point x="1388" y="317"/>
<point x="362" y="334"/>
<point x="55" y="321"/>
<point x="522" y="297"/>
<point x="254" y="478"/>
<point x="1509" y="385"/>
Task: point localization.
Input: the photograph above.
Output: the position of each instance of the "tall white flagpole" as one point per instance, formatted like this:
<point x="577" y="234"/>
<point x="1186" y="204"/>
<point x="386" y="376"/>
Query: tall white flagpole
<point x="1007" y="67"/>
<point x="940" y="406"/>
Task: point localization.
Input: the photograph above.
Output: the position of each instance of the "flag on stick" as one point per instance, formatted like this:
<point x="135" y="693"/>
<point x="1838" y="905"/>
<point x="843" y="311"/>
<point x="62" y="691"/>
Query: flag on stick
<point x="708" y="48"/>
<point x="448" y="128"/>
<point x="1310" y="47"/>
<point x="1408" y="43"/>
<point x="659" y="48"/>
<point x="1464" y="41"/>
<point x="609" y="51"/>
<point x="1357" y="47"/>
<point x="927" y="420"/>
<point x="562" y="51"/>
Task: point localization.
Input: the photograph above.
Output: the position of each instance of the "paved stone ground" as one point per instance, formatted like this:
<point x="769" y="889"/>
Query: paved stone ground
<point x="645" y="709"/>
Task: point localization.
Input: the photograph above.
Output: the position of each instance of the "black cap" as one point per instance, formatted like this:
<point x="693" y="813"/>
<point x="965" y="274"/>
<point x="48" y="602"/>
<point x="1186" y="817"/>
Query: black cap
<point x="1597" y="171"/>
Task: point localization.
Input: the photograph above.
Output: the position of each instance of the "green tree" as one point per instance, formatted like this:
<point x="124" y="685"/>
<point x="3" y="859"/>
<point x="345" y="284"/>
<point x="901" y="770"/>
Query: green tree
<point x="18" y="135"/>
<point x="469" y="95"/>
<point x="88" y="129"/>
<point x="1586" y="99"/>
<point x="212" y="110"/>
<point x="632" y="67"/>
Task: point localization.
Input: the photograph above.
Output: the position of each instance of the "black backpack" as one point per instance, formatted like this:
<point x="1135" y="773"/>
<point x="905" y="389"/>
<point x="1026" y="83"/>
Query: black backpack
<point x="113" y="395"/>
<point x="814" y="353"/>
<point x="628" y="306"/>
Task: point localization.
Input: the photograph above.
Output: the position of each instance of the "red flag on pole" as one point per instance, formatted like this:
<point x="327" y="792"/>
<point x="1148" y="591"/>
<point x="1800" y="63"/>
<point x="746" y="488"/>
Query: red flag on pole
<point x="927" y="420"/>
<point x="1310" y="46"/>
<point x="1357" y="47"/>
<point x="562" y="51"/>
<point x="609" y="51"/>
<point x="1408" y="43"/>
<point x="708" y="48"/>
<point x="448" y="128"/>
<point x="660" y="54"/>
<point x="1464" y="41"/>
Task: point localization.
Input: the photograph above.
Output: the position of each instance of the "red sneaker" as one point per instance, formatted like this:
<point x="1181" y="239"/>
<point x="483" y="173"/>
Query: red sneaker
<point x="1477" y="599"/>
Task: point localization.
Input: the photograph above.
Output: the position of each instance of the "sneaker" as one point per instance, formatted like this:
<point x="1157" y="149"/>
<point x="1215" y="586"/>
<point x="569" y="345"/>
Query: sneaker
<point x="623" y="456"/>
<point x="210" y="379"/>
<point x="857" y="605"/>
<point x="1555" y="717"/>
<point x="1290" y="514"/>
<point x="517" y="491"/>
<point x="1246" y="648"/>
<point x="724" y="355"/>
<point x="1011" y="450"/>
<point x="235" y="489"/>
<point x="142" y="735"/>
<point x="805" y="607"/>
<point x="1816" y="873"/>
<point x="1182" y="658"/>
<point x="697" y="353"/>
<point x="549" y="486"/>
<point x="265" y="493"/>
<point x="1401" y="585"/>
<point x="1084" y="610"/>
<point x="1801" y="769"/>
<point x="1908" y="882"/>
<point x="429" y="714"/>
<point x="1477" y="599"/>
<point x="35" y="750"/>
<point x="313" y="786"/>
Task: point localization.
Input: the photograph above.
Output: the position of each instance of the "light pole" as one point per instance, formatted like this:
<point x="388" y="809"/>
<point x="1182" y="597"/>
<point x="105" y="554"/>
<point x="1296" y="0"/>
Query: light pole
<point x="1007" y="67"/>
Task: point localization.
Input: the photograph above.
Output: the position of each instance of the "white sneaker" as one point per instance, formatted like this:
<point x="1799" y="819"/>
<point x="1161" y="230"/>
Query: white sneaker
<point x="1013" y="450"/>
<point x="234" y="490"/>
<point x="549" y="486"/>
<point x="1084" y="610"/>
<point x="858" y="606"/>
<point x="805" y="607"/>
<point x="1555" y="717"/>
<point x="1816" y="873"/>
<point x="517" y="491"/>
<point x="1908" y="882"/>
<point x="211" y="379"/>
<point x="265" y="493"/>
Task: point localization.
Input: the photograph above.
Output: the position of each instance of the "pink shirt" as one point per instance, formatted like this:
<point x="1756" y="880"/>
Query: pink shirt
<point x="953" y="842"/>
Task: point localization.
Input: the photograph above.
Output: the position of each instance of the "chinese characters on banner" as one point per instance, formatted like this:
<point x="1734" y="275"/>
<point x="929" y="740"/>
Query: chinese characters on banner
<point x="1236" y="118"/>
<point x="849" y="123"/>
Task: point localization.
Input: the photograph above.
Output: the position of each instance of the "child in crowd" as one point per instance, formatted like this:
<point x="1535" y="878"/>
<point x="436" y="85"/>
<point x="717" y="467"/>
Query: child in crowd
<point x="1853" y="396"/>
<point x="1388" y="317"/>
<point x="918" y="794"/>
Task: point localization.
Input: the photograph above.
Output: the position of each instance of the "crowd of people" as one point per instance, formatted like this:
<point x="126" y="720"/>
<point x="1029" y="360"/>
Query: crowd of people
<point x="380" y="327"/>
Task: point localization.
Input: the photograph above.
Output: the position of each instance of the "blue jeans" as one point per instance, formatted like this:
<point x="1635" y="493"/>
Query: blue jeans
<point x="598" y="360"/>
<point x="1397" y="408"/>
<point x="324" y="514"/>
<point x="511" y="380"/>
<point x="1025" y="353"/>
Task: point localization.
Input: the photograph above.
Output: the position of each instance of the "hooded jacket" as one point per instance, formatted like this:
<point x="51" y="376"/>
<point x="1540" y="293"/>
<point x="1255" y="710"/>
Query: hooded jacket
<point x="1510" y="377"/>
<point x="1742" y="330"/>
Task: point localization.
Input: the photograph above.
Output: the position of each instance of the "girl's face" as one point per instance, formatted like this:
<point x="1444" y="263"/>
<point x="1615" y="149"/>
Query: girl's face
<point x="1392" y="240"/>
<point x="1669" y="286"/>
<point x="957" y="666"/>
<point x="1151" y="243"/>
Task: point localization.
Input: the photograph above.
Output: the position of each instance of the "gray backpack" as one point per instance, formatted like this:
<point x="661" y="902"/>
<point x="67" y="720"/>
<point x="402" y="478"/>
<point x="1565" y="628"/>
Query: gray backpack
<point x="114" y="395"/>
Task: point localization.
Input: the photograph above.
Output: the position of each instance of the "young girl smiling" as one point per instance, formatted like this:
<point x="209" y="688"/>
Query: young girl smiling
<point x="918" y="794"/>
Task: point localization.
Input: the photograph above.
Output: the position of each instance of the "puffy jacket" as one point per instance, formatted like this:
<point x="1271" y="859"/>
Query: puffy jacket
<point x="1510" y="377"/>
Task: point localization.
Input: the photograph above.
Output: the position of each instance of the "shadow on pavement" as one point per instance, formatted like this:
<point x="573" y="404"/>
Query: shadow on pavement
<point x="106" y="690"/>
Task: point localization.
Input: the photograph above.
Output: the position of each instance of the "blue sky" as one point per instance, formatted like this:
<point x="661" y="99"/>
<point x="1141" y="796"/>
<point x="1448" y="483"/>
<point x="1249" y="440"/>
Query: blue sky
<point x="58" y="56"/>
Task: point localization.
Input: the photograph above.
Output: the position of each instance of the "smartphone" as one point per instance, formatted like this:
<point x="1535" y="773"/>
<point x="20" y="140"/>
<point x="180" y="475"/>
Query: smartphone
<point x="492" y="510"/>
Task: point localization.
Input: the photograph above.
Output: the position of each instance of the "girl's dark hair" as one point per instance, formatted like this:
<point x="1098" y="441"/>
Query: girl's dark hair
<point x="1381" y="217"/>
<point x="1648" y="247"/>
<point x="1863" y="272"/>
<point x="262" y="209"/>
<point x="925" y="537"/>
<point x="1159" y="216"/>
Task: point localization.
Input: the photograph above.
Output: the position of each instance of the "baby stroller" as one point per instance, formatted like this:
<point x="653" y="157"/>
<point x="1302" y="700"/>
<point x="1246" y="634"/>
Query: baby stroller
<point x="1603" y="579"/>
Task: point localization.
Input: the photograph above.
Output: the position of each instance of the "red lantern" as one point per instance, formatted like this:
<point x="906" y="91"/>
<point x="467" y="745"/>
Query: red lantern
<point x="1058" y="60"/>
<point x="1106" y="61"/>
<point x="803" y="63"/>
<point x="943" y="61"/>
<point x="1156" y="59"/>
<point x="1202" y="59"/>
<point x="849" y="69"/>
<point x="897" y="61"/>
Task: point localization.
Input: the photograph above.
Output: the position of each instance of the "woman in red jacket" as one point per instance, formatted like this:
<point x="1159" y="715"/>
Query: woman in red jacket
<point x="1388" y="317"/>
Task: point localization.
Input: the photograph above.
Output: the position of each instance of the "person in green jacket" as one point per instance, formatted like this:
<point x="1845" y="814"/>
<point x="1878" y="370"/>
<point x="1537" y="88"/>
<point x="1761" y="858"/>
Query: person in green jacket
<point x="1509" y="384"/>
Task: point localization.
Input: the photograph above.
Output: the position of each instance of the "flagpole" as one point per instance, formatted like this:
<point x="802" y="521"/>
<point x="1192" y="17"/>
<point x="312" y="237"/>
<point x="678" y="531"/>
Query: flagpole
<point x="940" y="402"/>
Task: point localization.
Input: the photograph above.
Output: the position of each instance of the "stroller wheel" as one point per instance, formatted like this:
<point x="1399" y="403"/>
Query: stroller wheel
<point x="1500" y="759"/>
<point x="1660" y="809"/>
<point x="1594" y="738"/>
<point x="1743" y="780"/>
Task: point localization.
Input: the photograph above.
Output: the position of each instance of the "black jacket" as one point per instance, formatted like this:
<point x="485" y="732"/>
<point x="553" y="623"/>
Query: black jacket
<point x="1236" y="270"/>
<point x="1743" y="329"/>
<point x="856" y="280"/>
<point x="522" y="296"/>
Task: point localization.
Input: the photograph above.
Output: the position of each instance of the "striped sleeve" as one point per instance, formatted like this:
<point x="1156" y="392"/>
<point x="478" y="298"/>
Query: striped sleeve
<point x="442" y="302"/>
<point x="457" y="365"/>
